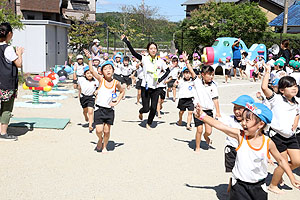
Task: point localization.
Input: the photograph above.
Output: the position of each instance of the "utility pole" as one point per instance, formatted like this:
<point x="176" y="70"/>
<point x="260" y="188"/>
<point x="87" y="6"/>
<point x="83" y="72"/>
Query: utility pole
<point x="143" y="10"/>
<point x="285" y="16"/>
<point x="107" y="36"/>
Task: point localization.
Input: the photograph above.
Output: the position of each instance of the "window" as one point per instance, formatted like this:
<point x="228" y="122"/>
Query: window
<point x="216" y="43"/>
<point x="30" y="17"/>
<point x="226" y="43"/>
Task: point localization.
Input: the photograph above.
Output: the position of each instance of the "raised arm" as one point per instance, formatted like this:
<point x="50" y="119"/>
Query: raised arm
<point x="232" y="132"/>
<point x="283" y="164"/>
<point x="233" y="45"/>
<point x="185" y="58"/>
<point x="264" y="85"/>
<point x="91" y="68"/>
<point x="133" y="52"/>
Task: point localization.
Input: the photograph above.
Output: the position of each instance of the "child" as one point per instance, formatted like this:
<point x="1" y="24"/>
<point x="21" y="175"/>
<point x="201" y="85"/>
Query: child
<point x="243" y="65"/>
<point x="260" y="65"/>
<point x="196" y="63"/>
<point x="118" y="68"/>
<point x="173" y="77"/>
<point x="134" y="74"/>
<point x="181" y="63"/>
<point x="162" y="91"/>
<point x="228" y="66"/>
<point x="279" y="69"/>
<point x="186" y="96"/>
<point x="78" y="70"/>
<point x="271" y="61"/>
<point x="297" y="57"/>
<point x="140" y="75"/>
<point x="126" y="71"/>
<point x="208" y="98"/>
<point x="250" y="169"/>
<point x="105" y="102"/>
<point x="87" y="87"/>
<point x="256" y="70"/>
<point x="234" y="121"/>
<point x="285" y="109"/>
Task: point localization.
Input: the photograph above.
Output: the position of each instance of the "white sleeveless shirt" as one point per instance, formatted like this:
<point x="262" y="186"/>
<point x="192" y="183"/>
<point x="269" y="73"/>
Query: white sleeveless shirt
<point x="105" y="93"/>
<point x="251" y="163"/>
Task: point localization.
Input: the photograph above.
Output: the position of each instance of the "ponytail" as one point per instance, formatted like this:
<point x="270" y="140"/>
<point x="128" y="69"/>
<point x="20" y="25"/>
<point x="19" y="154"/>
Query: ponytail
<point x="5" y="28"/>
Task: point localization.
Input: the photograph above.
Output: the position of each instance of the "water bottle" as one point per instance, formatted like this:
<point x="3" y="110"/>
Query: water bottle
<point x="146" y="86"/>
<point x="114" y="97"/>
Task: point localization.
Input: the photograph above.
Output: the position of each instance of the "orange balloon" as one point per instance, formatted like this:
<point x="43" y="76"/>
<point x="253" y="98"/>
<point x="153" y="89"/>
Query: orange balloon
<point x="52" y="76"/>
<point x="44" y="81"/>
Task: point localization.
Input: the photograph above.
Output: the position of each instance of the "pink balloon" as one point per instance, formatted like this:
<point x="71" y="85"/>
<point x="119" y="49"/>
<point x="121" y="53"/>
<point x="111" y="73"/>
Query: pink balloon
<point x="37" y="78"/>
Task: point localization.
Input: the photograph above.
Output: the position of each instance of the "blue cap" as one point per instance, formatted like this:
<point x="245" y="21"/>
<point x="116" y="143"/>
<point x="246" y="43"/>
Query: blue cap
<point x="185" y="68"/>
<point x="261" y="111"/>
<point x="86" y="69"/>
<point x="243" y="100"/>
<point x="275" y="82"/>
<point x="108" y="63"/>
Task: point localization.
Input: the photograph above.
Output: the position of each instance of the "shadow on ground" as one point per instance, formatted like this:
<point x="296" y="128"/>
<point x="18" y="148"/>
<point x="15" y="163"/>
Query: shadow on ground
<point x="111" y="145"/>
<point x="192" y="144"/>
<point x="22" y="129"/>
<point x="144" y="122"/>
<point x="221" y="190"/>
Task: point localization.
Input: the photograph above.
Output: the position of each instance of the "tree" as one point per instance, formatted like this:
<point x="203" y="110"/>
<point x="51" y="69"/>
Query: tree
<point x="7" y="15"/>
<point x="82" y="33"/>
<point x="213" y="20"/>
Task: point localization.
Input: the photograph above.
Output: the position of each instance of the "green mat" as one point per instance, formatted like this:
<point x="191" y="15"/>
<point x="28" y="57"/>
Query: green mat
<point x="49" y="123"/>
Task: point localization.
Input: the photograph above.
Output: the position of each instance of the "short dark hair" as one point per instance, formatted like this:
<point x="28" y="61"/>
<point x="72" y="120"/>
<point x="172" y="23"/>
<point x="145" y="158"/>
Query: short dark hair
<point x="285" y="82"/>
<point x="5" y="28"/>
<point x="149" y="44"/>
<point x="250" y="114"/>
<point x="245" y="53"/>
<point x="207" y="69"/>
<point x="175" y="58"/>
<point x="126" y="58"/>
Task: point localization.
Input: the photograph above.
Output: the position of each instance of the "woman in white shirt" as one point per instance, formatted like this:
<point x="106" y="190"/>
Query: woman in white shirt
<point x="10" y="61"/>
<point x="152" y="66"/>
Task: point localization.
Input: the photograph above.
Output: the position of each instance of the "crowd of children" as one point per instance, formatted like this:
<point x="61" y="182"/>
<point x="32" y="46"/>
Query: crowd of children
<point x="249" y="139"/>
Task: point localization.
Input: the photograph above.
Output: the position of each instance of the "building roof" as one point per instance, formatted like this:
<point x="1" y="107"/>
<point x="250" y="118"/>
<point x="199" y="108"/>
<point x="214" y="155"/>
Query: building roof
<point x="293" y="16"/>
<point x="199" y="2"/>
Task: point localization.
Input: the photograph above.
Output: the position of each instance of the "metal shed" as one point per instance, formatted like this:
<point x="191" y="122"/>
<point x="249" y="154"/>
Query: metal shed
<point x="45" y="44"/>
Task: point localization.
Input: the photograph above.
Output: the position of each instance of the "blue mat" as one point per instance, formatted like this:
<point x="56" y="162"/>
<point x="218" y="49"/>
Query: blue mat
<point x="47" y="123"/>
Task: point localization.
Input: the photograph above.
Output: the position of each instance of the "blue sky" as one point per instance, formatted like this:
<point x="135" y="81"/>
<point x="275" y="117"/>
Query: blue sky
<point x="170" y="9"/>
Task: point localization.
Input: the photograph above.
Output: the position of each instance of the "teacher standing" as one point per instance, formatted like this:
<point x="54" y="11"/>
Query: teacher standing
<point x="10" y="61"/>
<point x="152" y="66"/>
<point x="236" y="55"/>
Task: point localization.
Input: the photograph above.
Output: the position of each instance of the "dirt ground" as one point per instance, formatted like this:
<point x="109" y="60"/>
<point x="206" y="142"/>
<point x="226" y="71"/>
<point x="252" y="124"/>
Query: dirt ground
<point x="141" y="164"/>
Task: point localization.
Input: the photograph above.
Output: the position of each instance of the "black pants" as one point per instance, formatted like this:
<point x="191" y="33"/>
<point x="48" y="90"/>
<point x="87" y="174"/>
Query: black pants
<point x="147" y="95"/>
<point x="248" y="191"/>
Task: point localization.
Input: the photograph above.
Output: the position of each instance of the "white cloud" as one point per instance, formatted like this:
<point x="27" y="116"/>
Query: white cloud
<point x="103" y="2"/>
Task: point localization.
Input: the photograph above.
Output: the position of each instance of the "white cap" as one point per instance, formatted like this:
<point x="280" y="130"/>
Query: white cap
<point x="79" y="57"/>
<point x="96" y="58"/>
<point x="95" y="40"/>
<point x="118" y="56"/>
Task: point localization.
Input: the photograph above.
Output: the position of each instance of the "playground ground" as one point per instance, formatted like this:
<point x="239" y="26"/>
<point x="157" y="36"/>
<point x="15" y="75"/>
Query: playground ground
<point x="141" y="164"/>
